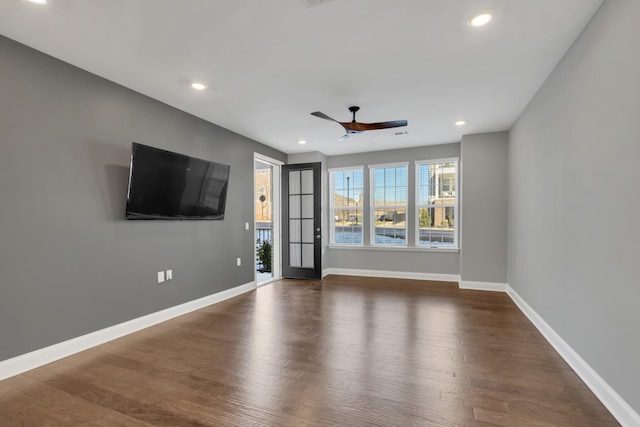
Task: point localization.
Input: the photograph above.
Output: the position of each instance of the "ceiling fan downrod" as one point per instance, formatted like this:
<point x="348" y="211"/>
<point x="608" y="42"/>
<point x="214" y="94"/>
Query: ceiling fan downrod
<point x="354" y="109"/>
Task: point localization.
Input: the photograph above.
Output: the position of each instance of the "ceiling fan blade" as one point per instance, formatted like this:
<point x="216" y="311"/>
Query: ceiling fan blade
<point x="361" y="127"/>
<point x="324" y="116"/>
<point x="391" y="124"/>
<point x="343" y="138"/>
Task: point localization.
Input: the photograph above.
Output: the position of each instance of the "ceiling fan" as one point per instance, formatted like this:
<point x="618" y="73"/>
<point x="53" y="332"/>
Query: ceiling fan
<point x="354" y="127"/>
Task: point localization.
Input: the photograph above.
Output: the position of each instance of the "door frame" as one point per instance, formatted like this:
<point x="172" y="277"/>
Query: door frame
<point x="299" y="272"/>
<point x="276" y="215"/>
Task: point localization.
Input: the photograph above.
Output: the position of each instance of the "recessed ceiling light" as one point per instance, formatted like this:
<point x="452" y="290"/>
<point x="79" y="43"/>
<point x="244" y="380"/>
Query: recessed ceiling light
<point x="302" y="142"/>
<point x="460" y="123"/>
<point x="40" y="2"/>
<point x="480" y="20"/>
<point x="198" y="86"/>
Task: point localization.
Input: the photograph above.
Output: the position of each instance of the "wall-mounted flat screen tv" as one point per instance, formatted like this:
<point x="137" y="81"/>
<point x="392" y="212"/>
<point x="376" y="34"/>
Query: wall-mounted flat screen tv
<point x="166" y="185"/>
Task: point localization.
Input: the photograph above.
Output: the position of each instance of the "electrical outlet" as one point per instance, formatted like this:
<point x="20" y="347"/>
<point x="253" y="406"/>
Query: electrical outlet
<point x="238" y="262"/>
<point x="246" y="226"/>
<point x="169" y="274"/>
<point x="160" y="276"/>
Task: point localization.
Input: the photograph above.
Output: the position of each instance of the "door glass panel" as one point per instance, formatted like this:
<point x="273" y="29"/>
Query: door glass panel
<point x="294" y="255"/>
<point x="294" y="207"/>
<point x="307" y="182"/>
<point x="307" y="255"/>
<point x="307" y="231"/>
<point x="265" y="202"/>
<point x="294" y="182"/>
<point x="307" y="206"/>
<point x="294" y="230"/>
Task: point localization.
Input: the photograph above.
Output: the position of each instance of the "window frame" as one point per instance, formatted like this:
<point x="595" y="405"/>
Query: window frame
<point x="332" y="207"/>
<point x="372" y="208"/>
<point x="455" y="205"/>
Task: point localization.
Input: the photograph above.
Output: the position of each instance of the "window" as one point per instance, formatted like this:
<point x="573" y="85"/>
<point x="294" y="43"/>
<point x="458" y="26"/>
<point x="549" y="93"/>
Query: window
<point x="346" y="206"/>
<point x="389" y="204"/>
<point x="436" y="203"/>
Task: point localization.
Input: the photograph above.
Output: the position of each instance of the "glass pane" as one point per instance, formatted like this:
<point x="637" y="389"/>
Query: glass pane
<point x="295" y="209"/>
<point x="423" y="184"/>
<point x="425" y="218"/>
<point x="307" y="206"/>
<point x="433" y="181"/>
<point x="449" y="217"/>
<point x="390" y="196"/>
<point x="307" y="231"/>
<point x="390" y="226"/>
<point x="378" y="187"/>
<point x="348" y="186"/>
<point x="294" y="230"/>
<point x="307" y="255"/>
<point x="294" y="182"/>
<point x="436" y="182"/>
<point x="348" y="227"/>
<point x="295" y="255"/>
<point x="401" y="195"/>
<point x="307" y="182"/>
<point x="390" y="186"/>
<point x="436" y="226"/>
<point x="340" y="179"/>
<point x="340" y="198"/>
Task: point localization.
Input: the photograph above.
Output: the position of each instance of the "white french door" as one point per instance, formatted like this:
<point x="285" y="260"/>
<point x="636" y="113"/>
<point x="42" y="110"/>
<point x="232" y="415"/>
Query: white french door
<point x="267" y="217"/>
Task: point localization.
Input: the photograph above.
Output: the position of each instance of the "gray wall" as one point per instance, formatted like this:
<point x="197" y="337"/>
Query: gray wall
<point x="483" y="257"/>
<point x="415" y="261"/>
<point x="574" y="201"/>
<point x="70" y="264"/>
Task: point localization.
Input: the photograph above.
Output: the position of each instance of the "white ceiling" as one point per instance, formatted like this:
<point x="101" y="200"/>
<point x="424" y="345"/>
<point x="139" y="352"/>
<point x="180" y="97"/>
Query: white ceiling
<point x="268" y="64"/>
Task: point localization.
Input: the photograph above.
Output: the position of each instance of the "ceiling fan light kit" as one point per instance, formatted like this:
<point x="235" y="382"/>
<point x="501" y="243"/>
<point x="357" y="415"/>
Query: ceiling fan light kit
<point x="353" y="127"/>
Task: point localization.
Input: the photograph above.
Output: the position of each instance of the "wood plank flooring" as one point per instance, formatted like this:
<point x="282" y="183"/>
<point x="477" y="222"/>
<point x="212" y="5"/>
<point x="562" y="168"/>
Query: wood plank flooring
<point x="347" y="351"/>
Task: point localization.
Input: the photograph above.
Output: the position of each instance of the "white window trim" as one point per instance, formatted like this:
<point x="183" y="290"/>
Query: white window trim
<point x="372" y="231"/>
<point x="456" y="206"/>
<point x="388" y="165"/>
<point x="332" y="230"/>
<point x="450" y="249"/>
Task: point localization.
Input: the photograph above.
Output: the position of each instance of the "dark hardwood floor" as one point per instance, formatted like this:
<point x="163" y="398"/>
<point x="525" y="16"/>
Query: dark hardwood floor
<point x="347" y="351"/>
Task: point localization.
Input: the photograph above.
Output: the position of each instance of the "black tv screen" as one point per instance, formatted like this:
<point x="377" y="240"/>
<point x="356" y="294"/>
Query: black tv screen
<point x="166" y="185"/>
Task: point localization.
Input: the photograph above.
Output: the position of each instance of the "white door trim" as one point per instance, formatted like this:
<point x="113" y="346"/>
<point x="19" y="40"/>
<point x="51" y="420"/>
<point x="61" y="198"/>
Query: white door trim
<point x="277" y="233"/>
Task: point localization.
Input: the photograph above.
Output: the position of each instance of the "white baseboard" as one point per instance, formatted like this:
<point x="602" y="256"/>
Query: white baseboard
<point x="34" y="359"/>
<point x="483" y="286"/>
<point x="393" y="274"/>
<point x="620" y="409"/>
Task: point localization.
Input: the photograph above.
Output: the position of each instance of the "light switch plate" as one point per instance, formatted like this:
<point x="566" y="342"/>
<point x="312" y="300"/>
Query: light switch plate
<point x="169" y="274"/>
<point x="246" y="226"/>
<point x="238" y="262"/>
<point x="160" y="276"/>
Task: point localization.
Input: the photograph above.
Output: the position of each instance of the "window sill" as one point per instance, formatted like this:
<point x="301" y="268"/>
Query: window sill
<point x="393" y="248"/>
